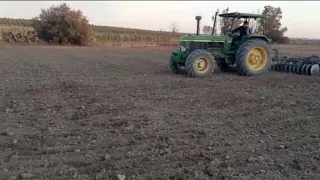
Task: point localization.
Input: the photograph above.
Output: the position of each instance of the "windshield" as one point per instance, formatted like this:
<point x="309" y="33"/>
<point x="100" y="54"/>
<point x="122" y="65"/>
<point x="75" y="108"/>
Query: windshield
<point x="183" y="45"/>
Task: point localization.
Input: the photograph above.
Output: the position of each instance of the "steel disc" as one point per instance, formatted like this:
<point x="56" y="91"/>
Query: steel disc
<point x="294" y="69"/>
<point x="286" y="68"/>
<point x="309" y="69"/>
<point x="299" y="69"/>
<point x="283" y="67"/>
<point x="291" y="68"/>
<point x="315" y="69"/>
<point x="304" y="69"/>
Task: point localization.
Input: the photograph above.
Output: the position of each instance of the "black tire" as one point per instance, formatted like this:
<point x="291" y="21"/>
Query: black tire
<point x="243" y="67"/>
<point x="175" y="67"/>
<point x="200" y="55"/>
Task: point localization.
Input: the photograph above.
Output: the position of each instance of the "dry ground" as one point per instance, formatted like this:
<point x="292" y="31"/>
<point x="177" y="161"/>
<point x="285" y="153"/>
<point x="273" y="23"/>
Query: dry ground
<point x="106" y="113"/>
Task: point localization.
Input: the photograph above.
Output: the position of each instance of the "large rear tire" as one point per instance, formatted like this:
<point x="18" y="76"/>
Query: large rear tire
<point x="200" y="63"/>
<point x="253" y="57"/>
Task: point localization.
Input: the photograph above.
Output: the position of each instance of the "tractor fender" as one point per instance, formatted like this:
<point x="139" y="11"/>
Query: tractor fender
<point x="264" y="38"/>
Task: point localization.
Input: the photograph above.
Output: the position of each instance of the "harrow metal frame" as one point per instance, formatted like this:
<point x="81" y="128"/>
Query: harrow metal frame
<point x="296" y="65"/>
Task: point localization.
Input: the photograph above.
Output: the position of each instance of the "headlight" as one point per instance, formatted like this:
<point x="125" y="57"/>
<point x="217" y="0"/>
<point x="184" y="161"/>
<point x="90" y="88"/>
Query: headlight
<point x="182" y="48"/>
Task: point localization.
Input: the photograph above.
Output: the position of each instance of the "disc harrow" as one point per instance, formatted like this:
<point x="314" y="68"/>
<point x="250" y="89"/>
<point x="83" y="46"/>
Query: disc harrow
<point x="297" y="65"/>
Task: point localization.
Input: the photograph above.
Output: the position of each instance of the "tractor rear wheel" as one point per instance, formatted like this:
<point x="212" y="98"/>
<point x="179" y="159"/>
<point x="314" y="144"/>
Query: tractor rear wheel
<point x="200" y="63"/>
<point x="253" y="57"/>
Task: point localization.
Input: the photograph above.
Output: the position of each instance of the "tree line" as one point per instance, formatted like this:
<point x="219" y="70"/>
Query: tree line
<point x="62" y="25"/>
<point x="108" y="33"/>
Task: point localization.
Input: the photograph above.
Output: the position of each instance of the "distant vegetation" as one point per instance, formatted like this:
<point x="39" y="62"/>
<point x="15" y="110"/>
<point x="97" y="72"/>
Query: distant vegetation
<point x="96" y="28"/>
<point x="63" y="25"/>
<point x="106" y="33"/>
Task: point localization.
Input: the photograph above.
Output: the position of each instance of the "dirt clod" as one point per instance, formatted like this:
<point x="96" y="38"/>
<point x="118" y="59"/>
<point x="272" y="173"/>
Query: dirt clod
<point x="281" y="146"/>
<point x="252" y="159"/>
<point x="26" y="175"/>
<point x="296" y="164"/>
<point x="9" y="110"/>
<point x="99" y="176"/>
<point x="121" y="177"/>
<point x="9" y="133"/>
<point x="262" y="171"/>
<point x="14" y="158"/>
<point x="107" y="156"/>
<point x="211" y="170"/>
<point x="11" y="178"/>
<point x="14" y="141"/>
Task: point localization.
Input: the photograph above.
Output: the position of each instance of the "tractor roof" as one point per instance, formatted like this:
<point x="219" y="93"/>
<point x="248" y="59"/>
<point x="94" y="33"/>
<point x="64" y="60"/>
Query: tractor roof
<point x="241" y="15"/>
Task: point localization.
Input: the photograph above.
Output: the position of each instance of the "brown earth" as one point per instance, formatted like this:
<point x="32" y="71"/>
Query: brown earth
<point x="100" y="113"/>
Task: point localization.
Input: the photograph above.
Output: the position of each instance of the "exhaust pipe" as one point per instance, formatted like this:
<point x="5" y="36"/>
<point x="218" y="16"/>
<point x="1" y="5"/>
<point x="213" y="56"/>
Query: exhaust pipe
<point x="198" y="18"/>
<point x="214" y="22"/>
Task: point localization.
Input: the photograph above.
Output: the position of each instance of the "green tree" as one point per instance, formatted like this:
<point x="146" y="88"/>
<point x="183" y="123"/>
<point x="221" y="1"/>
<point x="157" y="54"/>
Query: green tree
<point x="63" y="25"/>
<point x="207" y="29"/>
<point x="271" y="24"/>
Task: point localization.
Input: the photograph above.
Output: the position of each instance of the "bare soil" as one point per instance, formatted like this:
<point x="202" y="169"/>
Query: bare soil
<point x="115" y="113"/>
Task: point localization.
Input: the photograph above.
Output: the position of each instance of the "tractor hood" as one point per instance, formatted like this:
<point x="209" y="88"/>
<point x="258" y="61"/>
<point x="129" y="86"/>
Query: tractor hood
<point x="205" y="38"/>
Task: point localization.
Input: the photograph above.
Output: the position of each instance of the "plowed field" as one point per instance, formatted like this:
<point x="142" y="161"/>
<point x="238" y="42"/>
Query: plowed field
<point x="115" y="113"/>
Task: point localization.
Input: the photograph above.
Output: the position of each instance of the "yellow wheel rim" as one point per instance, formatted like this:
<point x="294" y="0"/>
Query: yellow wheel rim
<point x="257" y="58"/>
<point x="202" y="64"/>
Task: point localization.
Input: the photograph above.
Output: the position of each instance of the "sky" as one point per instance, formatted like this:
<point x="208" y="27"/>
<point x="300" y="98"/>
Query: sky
<point x="298" y="16"/>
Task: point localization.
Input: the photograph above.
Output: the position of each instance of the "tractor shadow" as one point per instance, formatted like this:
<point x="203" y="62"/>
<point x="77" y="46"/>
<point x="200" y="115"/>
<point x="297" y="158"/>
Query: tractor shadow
<point x="231" y="71"/>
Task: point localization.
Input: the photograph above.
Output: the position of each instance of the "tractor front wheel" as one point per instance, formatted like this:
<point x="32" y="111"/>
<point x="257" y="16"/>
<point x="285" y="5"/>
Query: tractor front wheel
<point x="253" y="57"/>
<point x="176" y="68"/>
<point x="200" y="63"/>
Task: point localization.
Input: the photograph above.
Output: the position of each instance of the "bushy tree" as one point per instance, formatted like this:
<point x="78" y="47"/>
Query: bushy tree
<point x="207" y="29"/>
<point x="272" y="24"/>
<point x="63" y="25"/>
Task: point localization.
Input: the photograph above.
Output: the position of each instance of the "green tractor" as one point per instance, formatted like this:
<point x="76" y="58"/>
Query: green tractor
<point x="200" y="55"/>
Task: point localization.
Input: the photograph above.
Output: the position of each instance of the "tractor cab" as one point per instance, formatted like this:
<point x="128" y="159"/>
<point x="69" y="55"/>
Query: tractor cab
<point x="236" y="40"/>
